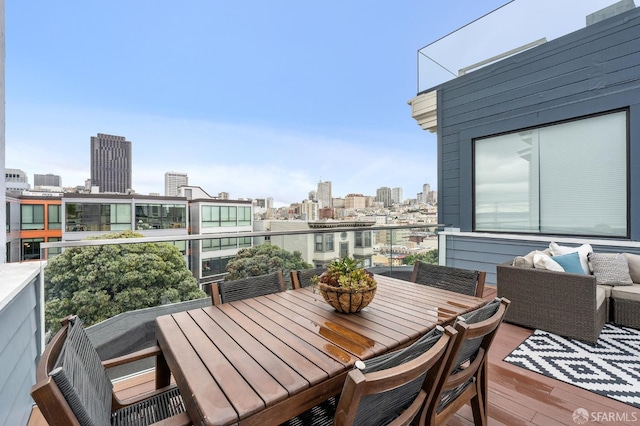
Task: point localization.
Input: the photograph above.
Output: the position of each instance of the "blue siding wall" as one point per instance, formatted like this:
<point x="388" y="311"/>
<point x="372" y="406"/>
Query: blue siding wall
<point x="19" y="354"/>
<point x="484" y="252"/>
<point x="592" y="70"/>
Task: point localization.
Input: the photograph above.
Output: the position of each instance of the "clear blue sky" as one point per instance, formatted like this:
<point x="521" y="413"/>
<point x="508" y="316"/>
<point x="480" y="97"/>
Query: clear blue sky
<point x="255" y="98"/>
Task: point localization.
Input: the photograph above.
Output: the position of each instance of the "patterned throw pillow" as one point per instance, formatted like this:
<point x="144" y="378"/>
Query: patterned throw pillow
<point x="610" y="268"/>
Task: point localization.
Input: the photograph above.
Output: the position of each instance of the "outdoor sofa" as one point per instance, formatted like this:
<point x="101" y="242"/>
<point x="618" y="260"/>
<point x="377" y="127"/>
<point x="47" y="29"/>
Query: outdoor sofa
<point x="570" y="301"/>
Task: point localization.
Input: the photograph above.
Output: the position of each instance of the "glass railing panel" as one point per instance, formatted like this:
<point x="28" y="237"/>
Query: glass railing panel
<point x="514" y="25"/>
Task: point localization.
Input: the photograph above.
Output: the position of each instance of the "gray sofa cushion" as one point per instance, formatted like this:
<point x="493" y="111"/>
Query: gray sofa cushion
<point x="607" y="290"/>
<point x="633" y="260"/>
<point x="629" y="292"/>
<point x="610" y="268"/>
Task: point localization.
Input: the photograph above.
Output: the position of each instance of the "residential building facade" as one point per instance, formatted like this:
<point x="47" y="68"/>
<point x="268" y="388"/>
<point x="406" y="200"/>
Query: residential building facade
<point x="321" y="247"/>
<point x="16" y="181"/>
<point x="542" y="146"/>
<point x="40" y="222"/>
<point x="211" y="217"/>
<point x="309" y="210"/>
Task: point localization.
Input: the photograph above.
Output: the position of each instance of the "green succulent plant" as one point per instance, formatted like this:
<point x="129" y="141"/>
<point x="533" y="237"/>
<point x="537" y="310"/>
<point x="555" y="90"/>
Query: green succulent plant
<point x="346" y="272"/>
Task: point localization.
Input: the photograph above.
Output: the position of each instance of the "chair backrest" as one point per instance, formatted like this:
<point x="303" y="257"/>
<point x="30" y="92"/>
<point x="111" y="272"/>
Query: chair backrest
<point x="467" y="362"/>
<point x="302" y="278"/>
<point x="464" y="281"/>
<point x="72" y="386"/>
<point x="394" y="387"/>
<point x="244" y="288"/>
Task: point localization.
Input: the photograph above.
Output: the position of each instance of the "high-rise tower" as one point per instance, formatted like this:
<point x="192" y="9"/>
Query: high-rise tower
<point x="324" y="194"/>
<point x="383" y="195"/>
<point x="174" y="180"/>
<point x="111" y="163"/>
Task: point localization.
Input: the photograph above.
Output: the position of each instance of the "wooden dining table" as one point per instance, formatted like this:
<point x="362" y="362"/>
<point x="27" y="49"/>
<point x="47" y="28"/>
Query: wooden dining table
<point x="264" y="360"/>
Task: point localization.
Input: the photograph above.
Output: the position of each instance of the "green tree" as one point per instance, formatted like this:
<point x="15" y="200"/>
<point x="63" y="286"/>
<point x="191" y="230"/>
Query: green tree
<point x="263" y="259"/>
<point x="98" y="282"/>
<point x="429" y="257"/>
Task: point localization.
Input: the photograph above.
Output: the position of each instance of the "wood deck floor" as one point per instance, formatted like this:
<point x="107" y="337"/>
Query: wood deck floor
<point x="516" y="396"/>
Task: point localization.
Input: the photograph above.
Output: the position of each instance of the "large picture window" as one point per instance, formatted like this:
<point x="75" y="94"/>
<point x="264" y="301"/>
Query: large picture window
<point x="225" y="216"/>
<point x="97" y="217"/>
<point x="161" y="216"/>
<point x="568" y="178"/>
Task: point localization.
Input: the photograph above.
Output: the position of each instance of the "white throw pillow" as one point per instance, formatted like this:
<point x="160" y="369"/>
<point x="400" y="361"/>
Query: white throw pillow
<point x="583" y="252"/>
<point x="542" y="261"/>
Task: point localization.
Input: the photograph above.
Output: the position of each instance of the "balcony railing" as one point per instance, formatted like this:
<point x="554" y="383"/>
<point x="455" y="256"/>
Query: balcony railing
<point x="22" y="297"/>
<point x="505" y="31"/>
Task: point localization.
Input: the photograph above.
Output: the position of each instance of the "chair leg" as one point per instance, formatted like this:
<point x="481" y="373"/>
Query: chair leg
<point x="479" y="401"/>
<point x="477" y="407"/>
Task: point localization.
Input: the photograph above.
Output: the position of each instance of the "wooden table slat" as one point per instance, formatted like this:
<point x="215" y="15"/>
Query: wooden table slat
<point x="301" y="366"/>
<point x="395" y="325"/>
<point x="193" y="380"/>
<point x="350" y="341"/>
<point x="296" y="337"/>
<point x="243" y="397"/>
<point x="252" y="361"/>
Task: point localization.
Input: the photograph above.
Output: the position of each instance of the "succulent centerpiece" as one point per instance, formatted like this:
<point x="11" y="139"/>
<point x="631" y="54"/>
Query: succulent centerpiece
<point x="346" y="285"/>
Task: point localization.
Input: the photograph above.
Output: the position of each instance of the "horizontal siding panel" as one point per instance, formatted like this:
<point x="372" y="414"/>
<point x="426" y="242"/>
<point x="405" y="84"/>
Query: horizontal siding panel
<point x="557" y="57"/>
<point x="22" y="341"/>
<point x="18" y="310"/>
<point x="19" y="342"/>
<point x="541" y="75"/>
<point x="592" y="70"/>
<point x="484" y="254"/>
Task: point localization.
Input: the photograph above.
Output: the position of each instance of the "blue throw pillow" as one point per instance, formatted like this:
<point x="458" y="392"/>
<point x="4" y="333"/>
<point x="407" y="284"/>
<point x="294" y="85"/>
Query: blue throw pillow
<point x="570" y="262"/>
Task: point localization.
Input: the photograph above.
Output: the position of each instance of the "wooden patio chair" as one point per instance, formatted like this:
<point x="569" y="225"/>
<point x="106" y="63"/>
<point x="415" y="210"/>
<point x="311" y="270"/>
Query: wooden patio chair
<point x="302" y="278"/>
<point x="72" y="386"/>
<point x="244" y="288"/>
<point x="390" y="389"/>
<point x="465" y="371"/>
<point x="464" y="281"/>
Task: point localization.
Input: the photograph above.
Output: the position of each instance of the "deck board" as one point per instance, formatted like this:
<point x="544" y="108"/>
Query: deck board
<point x="516" y="396"/>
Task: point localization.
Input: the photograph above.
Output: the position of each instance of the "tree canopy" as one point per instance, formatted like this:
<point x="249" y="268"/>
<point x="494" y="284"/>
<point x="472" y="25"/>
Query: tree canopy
<point x="98" y="282"/>
<point x="264" y="259"/>
<point x="429" y="257"/>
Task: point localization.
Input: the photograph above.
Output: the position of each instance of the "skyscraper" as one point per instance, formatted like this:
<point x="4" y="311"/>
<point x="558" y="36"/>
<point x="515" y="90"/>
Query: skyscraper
<point x="324" y="194"/>
<point x="383" y="195"/>
<point x="47" y="180"/>
<point x="111" y="163"/>
<point x="172" y="181"/>
<point x="396" y="195"/>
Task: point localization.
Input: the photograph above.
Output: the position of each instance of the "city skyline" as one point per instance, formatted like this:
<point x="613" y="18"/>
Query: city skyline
<point x="255" y="99"/>
<point x="251" y="98"/>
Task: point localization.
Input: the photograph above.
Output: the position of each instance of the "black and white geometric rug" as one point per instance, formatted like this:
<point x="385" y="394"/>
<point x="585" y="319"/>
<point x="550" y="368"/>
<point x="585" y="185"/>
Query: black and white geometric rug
<point x="610" y="368"/>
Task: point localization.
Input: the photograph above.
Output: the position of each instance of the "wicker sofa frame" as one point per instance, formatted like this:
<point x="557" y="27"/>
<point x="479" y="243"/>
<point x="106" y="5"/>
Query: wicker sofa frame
<point x="559" y="302"/>
<point x="626" y="312"/>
